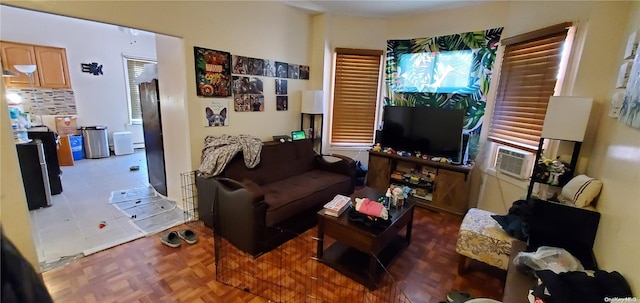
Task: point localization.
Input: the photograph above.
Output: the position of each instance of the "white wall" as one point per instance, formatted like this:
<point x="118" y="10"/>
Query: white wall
<point x="99" y="99"/>
<point x="173" y="101"/>
<point x="14" y="214"/>
<point x="615" y="159"/>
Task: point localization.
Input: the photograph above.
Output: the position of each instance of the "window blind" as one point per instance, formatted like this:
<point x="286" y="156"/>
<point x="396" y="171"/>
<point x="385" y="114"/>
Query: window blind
<point x="134" y="69"/>
<point x="528" y="77"/>
<point x="355" y="96"/>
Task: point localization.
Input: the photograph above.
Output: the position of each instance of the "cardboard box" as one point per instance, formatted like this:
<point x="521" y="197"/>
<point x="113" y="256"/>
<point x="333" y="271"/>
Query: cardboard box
<point x="67" y="126"/>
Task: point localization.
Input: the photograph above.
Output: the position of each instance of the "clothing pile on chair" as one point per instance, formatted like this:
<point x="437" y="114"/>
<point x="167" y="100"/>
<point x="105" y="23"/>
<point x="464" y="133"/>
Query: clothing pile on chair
<point x="515" y="223"/>
<point x="580" y="286"/>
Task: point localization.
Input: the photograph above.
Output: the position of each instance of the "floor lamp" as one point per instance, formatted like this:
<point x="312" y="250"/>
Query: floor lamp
<point x="28" y="70"/>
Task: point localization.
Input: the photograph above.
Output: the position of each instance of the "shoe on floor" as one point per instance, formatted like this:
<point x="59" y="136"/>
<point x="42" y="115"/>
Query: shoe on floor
<point x="458" y="296"/>
<point x="188" y="236"/>
<point x="170" y="239"/>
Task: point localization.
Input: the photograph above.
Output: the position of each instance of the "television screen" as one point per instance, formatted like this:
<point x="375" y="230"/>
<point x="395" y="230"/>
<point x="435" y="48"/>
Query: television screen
<point x="434" y="131"/>
<point x="434" y="72"/>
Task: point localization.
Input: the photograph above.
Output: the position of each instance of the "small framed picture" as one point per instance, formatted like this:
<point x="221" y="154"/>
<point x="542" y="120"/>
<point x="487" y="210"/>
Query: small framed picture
<point x="632" y="45"/>
<point x="616" y="104"/>
<point x="281" y="87"/>
<point x="282" y="103"/>
<point x="623" y="75"/>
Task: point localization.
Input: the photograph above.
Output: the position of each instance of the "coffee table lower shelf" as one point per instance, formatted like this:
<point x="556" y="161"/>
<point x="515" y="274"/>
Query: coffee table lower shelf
<point x="355" y="264"/>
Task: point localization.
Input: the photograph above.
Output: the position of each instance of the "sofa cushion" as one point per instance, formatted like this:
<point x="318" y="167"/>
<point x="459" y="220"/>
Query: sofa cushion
<point x="277" y="161"/>
<point x="294" y="195"/>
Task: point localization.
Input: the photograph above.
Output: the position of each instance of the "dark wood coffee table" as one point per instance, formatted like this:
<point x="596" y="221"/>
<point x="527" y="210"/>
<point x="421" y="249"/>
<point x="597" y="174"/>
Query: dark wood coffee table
<point x="358" y="247"/>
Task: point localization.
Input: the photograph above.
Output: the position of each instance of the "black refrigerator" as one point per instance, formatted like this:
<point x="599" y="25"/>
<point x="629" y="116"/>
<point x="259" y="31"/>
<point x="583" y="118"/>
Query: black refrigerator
<point x="50" y="145"/>
<point x="153" y="141"/>
<point x="33" y="168"/>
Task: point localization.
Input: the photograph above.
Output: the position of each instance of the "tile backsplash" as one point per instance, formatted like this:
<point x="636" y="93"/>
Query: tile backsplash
<point x="51" y="101"/>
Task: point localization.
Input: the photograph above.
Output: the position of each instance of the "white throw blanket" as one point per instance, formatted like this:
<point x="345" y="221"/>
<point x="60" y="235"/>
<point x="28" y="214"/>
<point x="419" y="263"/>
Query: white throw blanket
<point x="218" y="152"/>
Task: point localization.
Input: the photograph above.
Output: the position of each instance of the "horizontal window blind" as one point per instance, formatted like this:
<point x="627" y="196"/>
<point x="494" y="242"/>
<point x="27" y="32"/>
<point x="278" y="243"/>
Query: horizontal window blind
<point x="527" y="79"/>
<point x="355" y="95"/>
<point x="134" y="69"/>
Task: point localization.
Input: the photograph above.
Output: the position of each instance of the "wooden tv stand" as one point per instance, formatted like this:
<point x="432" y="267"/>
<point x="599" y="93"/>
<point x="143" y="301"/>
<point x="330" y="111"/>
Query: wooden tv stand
<point x="446" y="190"/>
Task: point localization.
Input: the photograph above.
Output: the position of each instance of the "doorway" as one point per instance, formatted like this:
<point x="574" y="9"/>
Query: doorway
<point x="66" y="230"/>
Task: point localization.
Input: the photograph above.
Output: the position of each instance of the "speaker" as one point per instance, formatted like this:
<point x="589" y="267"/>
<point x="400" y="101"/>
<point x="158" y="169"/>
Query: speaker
<point x="463" y="158"/>
<point x="378" y="138"/>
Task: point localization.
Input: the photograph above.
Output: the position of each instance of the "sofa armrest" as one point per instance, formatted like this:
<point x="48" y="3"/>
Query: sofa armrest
<point x="254" y="190"/>
<point x="240" y="213"/>
<point x="345" y="166"/>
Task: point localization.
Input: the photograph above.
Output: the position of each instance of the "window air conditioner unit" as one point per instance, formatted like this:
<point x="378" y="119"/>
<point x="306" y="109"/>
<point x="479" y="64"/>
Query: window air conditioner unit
<point x="513" y="162"/>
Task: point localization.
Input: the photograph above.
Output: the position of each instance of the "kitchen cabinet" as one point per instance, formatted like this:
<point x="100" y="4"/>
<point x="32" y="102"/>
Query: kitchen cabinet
<point x="52" y="70"/>
<point x="16" y="54"/>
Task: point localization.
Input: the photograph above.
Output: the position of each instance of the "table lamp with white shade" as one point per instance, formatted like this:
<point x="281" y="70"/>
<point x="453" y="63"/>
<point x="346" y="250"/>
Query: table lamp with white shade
<point x="313" y="104"/>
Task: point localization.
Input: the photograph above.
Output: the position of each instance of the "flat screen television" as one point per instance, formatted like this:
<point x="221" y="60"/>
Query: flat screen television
<point x="436" y="132"/>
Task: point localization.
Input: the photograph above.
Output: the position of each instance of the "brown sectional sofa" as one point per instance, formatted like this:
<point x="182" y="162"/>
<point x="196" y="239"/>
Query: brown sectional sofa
<point x="258" y="209"/>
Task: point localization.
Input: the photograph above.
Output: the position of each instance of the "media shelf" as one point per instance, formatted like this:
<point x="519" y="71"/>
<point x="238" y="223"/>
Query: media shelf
<point x="562" y="179"/>
<point x="446" y="190"/>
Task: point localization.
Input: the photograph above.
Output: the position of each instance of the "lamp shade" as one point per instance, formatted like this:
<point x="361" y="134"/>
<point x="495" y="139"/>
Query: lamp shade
<point x="312" y="102"/>
<point x="25" y="69"/>
<point x="567" y="118"/>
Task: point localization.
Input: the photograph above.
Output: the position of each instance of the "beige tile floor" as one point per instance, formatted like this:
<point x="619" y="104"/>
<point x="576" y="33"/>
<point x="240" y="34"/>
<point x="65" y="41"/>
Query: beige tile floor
<point x="69" y="227"/>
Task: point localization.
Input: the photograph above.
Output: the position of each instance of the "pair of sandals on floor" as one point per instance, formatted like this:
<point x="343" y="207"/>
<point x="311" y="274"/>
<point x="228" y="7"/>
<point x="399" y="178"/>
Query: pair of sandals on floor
<point x="172" y="238"/>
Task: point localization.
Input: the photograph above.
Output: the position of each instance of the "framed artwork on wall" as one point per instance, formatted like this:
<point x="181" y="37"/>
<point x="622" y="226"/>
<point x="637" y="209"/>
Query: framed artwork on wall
<point x="248" y="103"/>
<point x="294" y="71"/>
<point x="632" y="45"/>
<point x="215" y="112"/>
<point x="213" y="72"/>
<point x="247" y="85"/>
<point x="623" y="74"/>
<point x="240" y="65"/>
<point x="281" y="87"/>
<point x="304" y="72"/>
<point x="630" y="110"/>
<point x="269" y="68"/>
<point x="282" y="70"/>
<point x="282" y="103"/>
<point x="256" y="66"/>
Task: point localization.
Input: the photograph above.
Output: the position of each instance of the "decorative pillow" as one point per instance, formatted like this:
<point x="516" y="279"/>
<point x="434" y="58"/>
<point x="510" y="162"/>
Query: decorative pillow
<point x="581" y="190"/>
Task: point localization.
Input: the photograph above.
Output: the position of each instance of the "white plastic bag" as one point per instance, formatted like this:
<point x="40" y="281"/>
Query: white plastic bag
<point x="546" y="257"/>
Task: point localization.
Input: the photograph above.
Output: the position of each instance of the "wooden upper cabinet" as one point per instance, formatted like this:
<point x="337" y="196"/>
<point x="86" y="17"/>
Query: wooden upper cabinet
<point x="52" y="70"/>
<point x="52" y="67"/>
<point x="18" y="54"/>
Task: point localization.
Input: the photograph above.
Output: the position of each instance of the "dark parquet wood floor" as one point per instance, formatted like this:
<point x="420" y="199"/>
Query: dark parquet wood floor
<point x="145" y="270"/>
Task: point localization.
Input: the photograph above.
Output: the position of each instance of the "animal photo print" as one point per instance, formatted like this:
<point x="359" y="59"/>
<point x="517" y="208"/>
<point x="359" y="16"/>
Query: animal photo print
<point x="215" y="112"/>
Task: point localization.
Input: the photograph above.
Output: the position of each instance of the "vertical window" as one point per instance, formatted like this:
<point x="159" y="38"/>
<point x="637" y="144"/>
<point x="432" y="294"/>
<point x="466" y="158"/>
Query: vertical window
<point x="134" y="69"/>
<point x="530" y="69"/>
<point x="355" y="96"/>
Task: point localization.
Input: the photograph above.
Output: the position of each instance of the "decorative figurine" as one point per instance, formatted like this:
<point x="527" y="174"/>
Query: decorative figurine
<point x="377" y="147"/>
